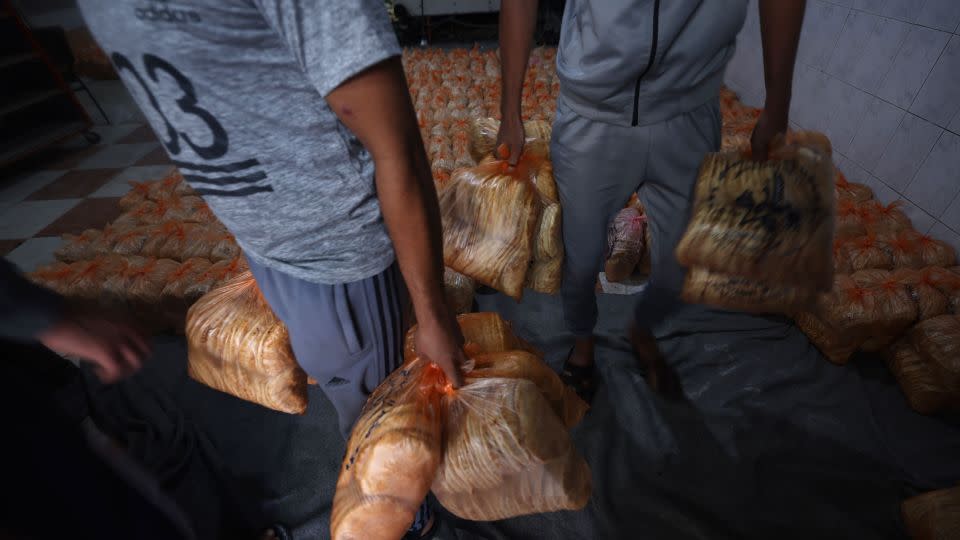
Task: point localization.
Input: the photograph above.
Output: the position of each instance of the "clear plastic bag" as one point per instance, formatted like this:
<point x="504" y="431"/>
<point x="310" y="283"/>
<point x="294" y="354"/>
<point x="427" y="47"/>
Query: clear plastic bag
<point x="625" y="243"/>
<point x="392" y="456"/>
<point x="938" y="342"/>
<point x="930" y="301"/>
<point x="772" y="221"/>
<point x="80" y="247"/>
<point x="490" y="217"/>
<point x="507" y="454"/>
<point x="920" y="385"/>
<point x="853" y="191"/>
<point x="851" y="315"/>
<point x="237" y="345"/>
<point x="459" y="291"/>
<point x="483" y="137"/>
<point x="701" y="286"/>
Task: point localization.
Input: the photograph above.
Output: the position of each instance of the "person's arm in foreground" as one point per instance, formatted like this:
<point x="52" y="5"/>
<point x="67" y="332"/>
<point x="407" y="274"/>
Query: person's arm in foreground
<point x="518" y="19"/>
<point x="29" y="312"/>
<point x="375" y="105"/>
<point x="780" y="23"/>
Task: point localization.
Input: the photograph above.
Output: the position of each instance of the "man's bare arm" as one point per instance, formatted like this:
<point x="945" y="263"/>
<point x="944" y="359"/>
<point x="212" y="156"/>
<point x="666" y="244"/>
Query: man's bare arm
<point x="517" y="21"/>
<point x="375" y="105"/>
<point x="780" y="24"/>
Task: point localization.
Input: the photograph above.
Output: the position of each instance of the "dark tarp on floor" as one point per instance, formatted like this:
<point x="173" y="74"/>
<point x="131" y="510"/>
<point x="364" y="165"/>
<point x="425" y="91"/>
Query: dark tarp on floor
<point x="773" y="441"/>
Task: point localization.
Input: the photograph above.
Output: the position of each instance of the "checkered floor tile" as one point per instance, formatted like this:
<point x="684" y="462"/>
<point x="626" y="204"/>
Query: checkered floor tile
<point x="72" y="188"/>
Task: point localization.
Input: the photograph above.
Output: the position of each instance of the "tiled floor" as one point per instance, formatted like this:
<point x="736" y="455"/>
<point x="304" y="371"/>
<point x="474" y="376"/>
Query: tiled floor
<point x="71" y="188"/>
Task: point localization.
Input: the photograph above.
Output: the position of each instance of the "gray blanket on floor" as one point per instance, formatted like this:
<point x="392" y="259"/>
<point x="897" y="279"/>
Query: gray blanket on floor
<point x="773" y="440"/>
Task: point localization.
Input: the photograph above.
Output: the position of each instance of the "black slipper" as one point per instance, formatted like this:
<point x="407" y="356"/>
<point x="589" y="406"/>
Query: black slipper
<point x="580" y="378"/>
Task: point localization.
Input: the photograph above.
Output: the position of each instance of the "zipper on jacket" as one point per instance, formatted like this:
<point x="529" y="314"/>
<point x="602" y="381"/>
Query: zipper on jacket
<point x="653" y="57"/>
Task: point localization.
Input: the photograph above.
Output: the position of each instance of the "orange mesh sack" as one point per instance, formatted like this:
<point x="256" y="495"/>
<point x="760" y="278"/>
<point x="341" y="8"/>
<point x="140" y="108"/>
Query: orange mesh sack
<point x="701" y="286"/>
<point x="507" y="454"/>
<point x="930" y="301"/>
<point x="938" y="342"/>
<point x="625" y="243"/>
<point x="924" y="391"/>
<point x="459" y="291"/>
<point x="772" y="221"/>
<point x="934" y="515"/>
<point x="490" y="216"/>
<point x="392" y="456"/>
<point x="238" y="346"/>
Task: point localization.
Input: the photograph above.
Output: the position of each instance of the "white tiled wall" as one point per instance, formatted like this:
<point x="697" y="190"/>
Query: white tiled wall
<point x="882" y="79"/>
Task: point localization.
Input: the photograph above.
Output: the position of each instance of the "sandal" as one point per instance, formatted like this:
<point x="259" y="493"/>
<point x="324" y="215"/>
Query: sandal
<point x="580" y="378"/>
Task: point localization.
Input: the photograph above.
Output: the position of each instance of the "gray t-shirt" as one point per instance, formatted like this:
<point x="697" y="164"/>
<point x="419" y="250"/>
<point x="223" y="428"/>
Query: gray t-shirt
<point x="235" y="91"/>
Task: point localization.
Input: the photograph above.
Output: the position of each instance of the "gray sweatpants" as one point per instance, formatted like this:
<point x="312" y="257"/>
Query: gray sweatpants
<point x="348" y="337"/>
<point x="597" y="166"/>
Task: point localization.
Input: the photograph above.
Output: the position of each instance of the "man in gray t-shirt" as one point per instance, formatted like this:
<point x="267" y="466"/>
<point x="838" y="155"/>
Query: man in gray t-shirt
<point x="293" y="120"/>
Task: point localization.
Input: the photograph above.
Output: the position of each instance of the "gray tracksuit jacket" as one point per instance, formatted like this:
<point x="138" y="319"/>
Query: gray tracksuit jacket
<point x="640" y="62"/>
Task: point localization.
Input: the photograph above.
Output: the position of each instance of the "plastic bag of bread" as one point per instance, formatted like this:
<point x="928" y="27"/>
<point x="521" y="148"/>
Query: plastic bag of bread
<point x="867" y="252"/>
<point x="948" y="283"/>
<point x="930" y="301"/>
<point x="850" y="315"/>
<point x="459" y="291"/>
<point x="851" y="190"/>
<point x="392" y="456"/>
<point x="546" y="268"/>
<point x="904" y="248"/>
<point x="174" y="300"/>
<point x="896" y="311"/>
<point x="237" y="345"/>
<point x="80" y="247"/>
<point x="850" y="219"/>
<point x="518" y="364"/>
<point x="484" y="332"/>
<point x="483" y="136"/>
<point x="507" y="453"/>
<point x="938" y="342"/>
<point x="625" y="243"/>
<point x="919" y="383"/>
<point x="545" y="275"/>
<point x="490" y="216"/>
<point x="887" y="218"/>
<point x="772" y="221"/>
<point x="548" y="243"/>
<point x="935" y="252"/>
<point x="934" y="515"/>
<point x="701" y="286"/>
<point x="216" y="274"/>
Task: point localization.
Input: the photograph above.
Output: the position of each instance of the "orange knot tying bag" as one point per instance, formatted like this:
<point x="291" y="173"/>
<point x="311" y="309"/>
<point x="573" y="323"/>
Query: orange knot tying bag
<point x="237" y="345"/>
